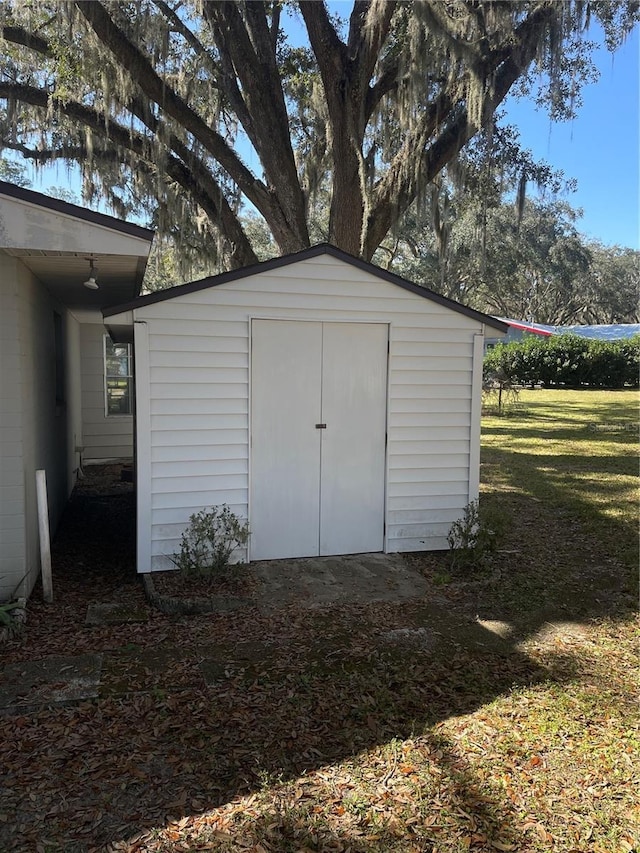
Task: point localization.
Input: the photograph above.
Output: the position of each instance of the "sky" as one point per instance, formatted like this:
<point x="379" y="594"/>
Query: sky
<point x="600" y="148"/>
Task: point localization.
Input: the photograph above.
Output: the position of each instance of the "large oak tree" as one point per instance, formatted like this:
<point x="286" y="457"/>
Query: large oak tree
<point x="215" y="108"/>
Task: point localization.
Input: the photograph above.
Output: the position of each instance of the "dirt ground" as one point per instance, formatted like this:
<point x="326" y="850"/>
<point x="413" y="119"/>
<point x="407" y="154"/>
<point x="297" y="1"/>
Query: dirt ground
<point x="117" y="719"/>
<point x="100" y="604"/>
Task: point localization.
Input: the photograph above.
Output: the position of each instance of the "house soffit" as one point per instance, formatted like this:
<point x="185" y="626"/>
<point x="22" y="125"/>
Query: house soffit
<point x="56" y="242"/>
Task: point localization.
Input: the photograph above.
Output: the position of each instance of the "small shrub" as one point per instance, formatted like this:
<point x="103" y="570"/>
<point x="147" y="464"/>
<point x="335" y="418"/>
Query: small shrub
<point x="6" y="618"/>
<point x="566" y="360"/>
<point x="499" y="394"/>
<point x="209" y="541"/>
<point x="12" y="613"/>
<point x="475" y="536"/>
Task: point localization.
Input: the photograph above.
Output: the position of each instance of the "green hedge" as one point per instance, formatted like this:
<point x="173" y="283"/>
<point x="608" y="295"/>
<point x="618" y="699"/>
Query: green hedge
<point x="566" y="360"/>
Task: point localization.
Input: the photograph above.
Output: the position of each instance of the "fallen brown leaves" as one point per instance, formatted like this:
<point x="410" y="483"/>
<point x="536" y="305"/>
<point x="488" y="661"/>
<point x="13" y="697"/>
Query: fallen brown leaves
<point x="313" y="730"/>
<point x="371" y="752"/>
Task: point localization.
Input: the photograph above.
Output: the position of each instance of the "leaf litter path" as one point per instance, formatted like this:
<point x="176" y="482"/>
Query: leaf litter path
<point x="179" y="729"/>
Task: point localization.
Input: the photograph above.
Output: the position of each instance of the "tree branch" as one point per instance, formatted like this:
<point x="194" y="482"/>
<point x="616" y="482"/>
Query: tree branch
<point x="246" y="48"/>
<point x="386" y="82"/>
<point x="180" y="27"/>
<point x="399" y="187"/>
<point x="369" y="30"/>
<point x="439" y="22"/>
<point x="143" y="74"/>
<point x="18" y="35"/>
<point x="330" y="52"/>
<point x="275" y="24"/>
<point x="191" y="175"/>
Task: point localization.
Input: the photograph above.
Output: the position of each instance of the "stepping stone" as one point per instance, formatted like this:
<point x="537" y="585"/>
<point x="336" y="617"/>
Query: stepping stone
<point x="114" y="613"/>
<point x="33" y="685"/>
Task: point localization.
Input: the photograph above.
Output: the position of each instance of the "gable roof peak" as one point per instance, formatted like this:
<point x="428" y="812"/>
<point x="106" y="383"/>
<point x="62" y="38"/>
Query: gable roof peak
<point x="297" y="257"/>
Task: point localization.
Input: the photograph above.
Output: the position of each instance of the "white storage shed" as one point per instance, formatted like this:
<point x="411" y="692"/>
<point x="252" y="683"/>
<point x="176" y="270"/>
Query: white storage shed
<point x="334" y="405"/>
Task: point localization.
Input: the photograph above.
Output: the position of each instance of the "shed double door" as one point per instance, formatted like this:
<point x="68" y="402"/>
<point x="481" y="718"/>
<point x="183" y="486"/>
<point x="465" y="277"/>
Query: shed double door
<point x="318" y="435"/>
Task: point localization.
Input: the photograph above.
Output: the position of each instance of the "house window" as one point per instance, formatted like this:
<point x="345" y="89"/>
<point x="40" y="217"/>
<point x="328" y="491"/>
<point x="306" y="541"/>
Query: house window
<point x="118" y="377"/>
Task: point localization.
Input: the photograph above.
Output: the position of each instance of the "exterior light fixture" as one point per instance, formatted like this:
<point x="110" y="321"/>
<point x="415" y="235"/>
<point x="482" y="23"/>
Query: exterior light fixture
<point x="91" y="282"/>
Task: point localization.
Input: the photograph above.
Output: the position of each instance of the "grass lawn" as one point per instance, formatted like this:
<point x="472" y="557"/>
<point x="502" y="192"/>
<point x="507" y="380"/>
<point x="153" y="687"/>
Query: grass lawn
<point x="500" y="714"/>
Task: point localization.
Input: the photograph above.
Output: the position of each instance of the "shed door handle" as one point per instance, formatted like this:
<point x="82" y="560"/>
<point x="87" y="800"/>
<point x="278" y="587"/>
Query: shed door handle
<point x="321" y="426"/>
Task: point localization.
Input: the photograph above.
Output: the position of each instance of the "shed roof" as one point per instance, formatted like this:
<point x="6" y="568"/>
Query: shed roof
<point x="305" y="254"/>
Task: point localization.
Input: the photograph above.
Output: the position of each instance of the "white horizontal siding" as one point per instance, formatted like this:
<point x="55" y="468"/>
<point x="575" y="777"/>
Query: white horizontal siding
<point x="174" y="518"/>
<point x="197" y="422"/>
<point x="207" y="451"/>
<point x="198" y="360"/>
<point x="414" y="527"/>
<point x="205" y="437"/>
<point x="351" y="308"/>
<point x="198" y="357"/>
<point x="12" y="492"/>
<point x="168" y="346"/>
<point x="201" y="483"/>
<point x="120" y="430"/>
<point x="34" y="432"/>
<point x="204" y="328"/>
<point x="419" y="489"/>
<point x="437" y="347"/>
<point x="425" y="406"/>
<point x="195" y="500"/>
<point x="413" y="508"/>
<point x="427" y="379"/>
<point x="414" y="333"/>
<point x="429" y="419"/>
<point x="401" y="460"/>
<point x="406" y="438"/>
<point x="200" y="375"/>
<point x="415" y="362"/>
<point x="10" y="417"/>
<point x="399" y="446"/>
<point x="199" y="406"/>
<point x="440" y="480"/>
<point x="454" y="392"/>
<point x="236" y="464"/>
<point x="436" y="541"/>
<point x="194" y="391"/>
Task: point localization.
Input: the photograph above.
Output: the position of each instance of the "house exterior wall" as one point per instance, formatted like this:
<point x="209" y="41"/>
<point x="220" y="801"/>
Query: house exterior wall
<point x="12" y="492"/>
<point x="193" y="398"/>
<point x="74" y="399"/>
<point x="104" y="436"/>
<point x="34" y="418"/>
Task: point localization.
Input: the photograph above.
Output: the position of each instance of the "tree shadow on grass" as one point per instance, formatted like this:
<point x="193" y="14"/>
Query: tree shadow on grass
<point x="106" y="770"/>
<point x="291" y="821"/>
<point x="564" y="556"/>
<point x="211" y="724"/>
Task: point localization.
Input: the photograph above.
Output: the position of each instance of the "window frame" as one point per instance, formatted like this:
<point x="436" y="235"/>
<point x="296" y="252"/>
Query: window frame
<point x="107" y="376"/>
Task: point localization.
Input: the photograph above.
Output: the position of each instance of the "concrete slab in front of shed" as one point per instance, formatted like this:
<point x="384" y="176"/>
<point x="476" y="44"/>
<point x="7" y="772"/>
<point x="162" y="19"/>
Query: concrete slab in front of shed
<point x="32" y="685"/>
<point x="352" y="579"/>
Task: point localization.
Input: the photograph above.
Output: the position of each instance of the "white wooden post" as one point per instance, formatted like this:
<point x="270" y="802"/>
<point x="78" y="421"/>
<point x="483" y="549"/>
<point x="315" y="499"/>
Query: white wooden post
<point x="143" y="444"/>
<point x="476" y="417"/>
<point x="45" y="543"/>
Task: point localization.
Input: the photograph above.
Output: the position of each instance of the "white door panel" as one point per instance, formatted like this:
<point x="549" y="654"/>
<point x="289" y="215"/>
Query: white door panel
<point x="285" y="469"/>
<point x="354" y="391"/>
<point x="317" y="491"/>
